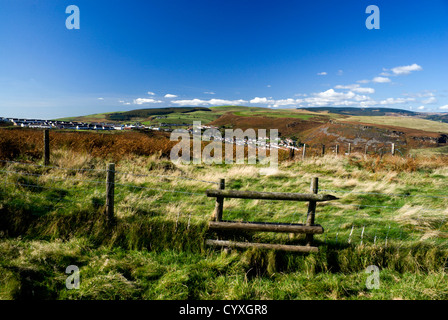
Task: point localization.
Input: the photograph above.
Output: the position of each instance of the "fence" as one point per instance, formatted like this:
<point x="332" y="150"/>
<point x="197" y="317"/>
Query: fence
<point x="350" y="223"/>
<point x="373" y="149"/>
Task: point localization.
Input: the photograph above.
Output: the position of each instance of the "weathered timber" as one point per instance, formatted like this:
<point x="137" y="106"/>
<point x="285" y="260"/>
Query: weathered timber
<point x="219" y="204"/>
<point x="282" y="247"/>
<point x="270" y="195"/>
<point x="314" y="187"/>
<point x="265" y="227"/>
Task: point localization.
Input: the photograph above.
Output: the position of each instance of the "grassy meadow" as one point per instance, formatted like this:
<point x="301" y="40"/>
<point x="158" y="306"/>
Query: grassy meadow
<point x="391" y="213"/>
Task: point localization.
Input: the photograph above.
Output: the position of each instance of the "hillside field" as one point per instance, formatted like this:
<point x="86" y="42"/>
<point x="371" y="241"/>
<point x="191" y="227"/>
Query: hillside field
<point x="391" y="213"/>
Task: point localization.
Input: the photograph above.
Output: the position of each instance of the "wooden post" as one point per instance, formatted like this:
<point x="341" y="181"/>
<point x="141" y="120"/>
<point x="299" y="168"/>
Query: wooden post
<point x="110" y="184"/>
<point x="337" y="149"/>
<point x="304" y="151"/>
<point x="393" y="149"/>
<point x="291" y="151"/>
<point x="219" y="204"/>
<point x="349" y="148"/>
<point x="366" y="151"/>
<point x="311" y="210"/>
<point x="323" y="150"/>
<point x="46" y="147"/>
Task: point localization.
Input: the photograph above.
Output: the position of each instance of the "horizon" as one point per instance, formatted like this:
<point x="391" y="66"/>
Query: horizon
<point x="131" y="55"/>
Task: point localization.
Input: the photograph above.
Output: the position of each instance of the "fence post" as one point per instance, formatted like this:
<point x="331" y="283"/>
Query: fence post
<point x="46" y="147"/>
<point x="291" y="151"/>
<point x="393" y="149"/>
<point x="323" y="150"/>
<point x="304" y="151"/>
<point x="366" y="151"/>
<point x="311" y="210"/>
<point x="337" y="149"/>
<point x="219" y="204"/>
<point x="349" y="148"/>
<point x="110" y="186"/>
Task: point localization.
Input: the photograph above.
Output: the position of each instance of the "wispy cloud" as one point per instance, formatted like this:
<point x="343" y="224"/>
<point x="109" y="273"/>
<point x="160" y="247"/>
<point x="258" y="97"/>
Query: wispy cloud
<point x="322" y="73"/>
<point x="444" y="107"/>
<point x="356" y="88"/>
<point x="396" y="100"/>
<point x="405" y="70"/>
<point x="430" y="100"/>
<point x="421" y="108"/>
<point x="100" y="98"/>
<point x="380" y="80"/>
<point x="169" y="95"/>
<point x="151" y="93"/>
<point x="209" y="92"/>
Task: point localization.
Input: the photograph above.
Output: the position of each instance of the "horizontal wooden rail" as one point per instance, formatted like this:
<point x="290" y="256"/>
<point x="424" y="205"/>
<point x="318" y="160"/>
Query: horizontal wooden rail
<point x="265" y="227"/>
<point x="283" y="247"/>
<point x="270" y="195"/>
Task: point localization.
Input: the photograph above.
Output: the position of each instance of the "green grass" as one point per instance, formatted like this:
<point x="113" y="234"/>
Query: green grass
<point x="155" y="247"/>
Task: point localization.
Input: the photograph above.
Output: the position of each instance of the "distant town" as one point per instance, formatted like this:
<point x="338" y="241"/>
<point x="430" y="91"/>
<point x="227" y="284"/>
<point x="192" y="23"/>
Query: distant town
<point x="74" y="125"/>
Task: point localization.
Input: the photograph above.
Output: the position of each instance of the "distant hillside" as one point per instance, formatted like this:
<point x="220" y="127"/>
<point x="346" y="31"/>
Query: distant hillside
<point x="145" y="113"/>
<point x="352" y="111"/>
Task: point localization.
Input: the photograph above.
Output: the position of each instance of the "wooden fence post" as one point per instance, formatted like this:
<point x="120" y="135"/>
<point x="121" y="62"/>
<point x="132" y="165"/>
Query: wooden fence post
<point x="393" y="149"/>
<point x="291" y="151"/>
<point x="110" y="186"/>
<point x="311" y="210"/>
<point x="349" y="148"/>
<point x="323" y="150"/>
<point x="219" y="204"/>
<point x="304" y="151"/>
<point x="337" y="149"/>
<point x="46" y="147"/>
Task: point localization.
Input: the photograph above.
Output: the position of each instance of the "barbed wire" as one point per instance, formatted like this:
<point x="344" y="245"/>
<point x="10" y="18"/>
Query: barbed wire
<point x="385" y="194"/>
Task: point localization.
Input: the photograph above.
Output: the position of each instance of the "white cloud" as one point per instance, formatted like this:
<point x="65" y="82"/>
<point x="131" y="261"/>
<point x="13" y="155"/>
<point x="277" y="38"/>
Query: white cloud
<point x="356" y="88"/>
<point x="421" y="107"/>
<point x="261" y="100"/>
<point x="430" y="100"/>
<point x="380" y="80"/>
<point x="210" y="92"/>
<point x="169" y="95"/>
<point x="334" y="98"/>
<point x="322" y="73"/>
<point x="444" y="107"/>
<point x="226" y="102"/>
<point x="363" y="81"/>
<point x="396" y="100"/>
<point x="199" y="102"/>
<point x="268" y="86"/>
<point x="193" y="102"/>
<point x="404" y="70"/>
<point x="151" y="93"/>
<point x="143" y="100"/>
<point x="100" y="98"/>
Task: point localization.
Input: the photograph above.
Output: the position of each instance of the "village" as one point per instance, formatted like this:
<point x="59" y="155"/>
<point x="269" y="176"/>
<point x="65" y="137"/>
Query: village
<point x="284" y="144"/>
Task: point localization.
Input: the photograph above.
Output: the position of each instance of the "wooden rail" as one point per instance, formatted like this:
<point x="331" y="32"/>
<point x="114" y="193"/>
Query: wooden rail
<point x="309" y="229"/>
<point x="270" y="195"/>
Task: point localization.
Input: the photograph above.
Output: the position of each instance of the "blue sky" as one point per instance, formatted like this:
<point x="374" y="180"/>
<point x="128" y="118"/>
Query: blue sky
<point x="280" y="54"/>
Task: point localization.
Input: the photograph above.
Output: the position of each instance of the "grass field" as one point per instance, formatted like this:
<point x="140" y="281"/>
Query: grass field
<point x="405" y="122"/>
<point x="52" y="217"/>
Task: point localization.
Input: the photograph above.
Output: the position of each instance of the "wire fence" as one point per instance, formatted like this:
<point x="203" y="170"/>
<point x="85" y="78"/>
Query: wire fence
<point x="22" y="182"/>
